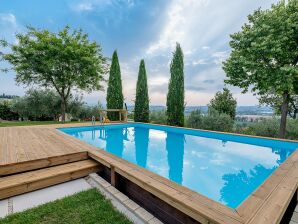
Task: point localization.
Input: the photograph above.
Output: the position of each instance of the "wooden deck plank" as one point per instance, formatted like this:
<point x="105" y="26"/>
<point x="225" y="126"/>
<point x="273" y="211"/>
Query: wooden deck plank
<point x="282" y="181"/>
<point x="29" y="148"/>
<point x="201" y="210"/>
<point x="33" y="180"/>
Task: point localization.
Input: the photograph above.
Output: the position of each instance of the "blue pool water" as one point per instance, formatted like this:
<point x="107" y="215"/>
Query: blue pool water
<point x="226" y="168"/>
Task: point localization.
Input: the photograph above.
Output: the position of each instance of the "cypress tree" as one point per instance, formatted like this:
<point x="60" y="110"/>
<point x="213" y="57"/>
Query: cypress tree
<point x="175" y="97"/>
<point x="114" y="92"/>
<point x="141" y="111"/>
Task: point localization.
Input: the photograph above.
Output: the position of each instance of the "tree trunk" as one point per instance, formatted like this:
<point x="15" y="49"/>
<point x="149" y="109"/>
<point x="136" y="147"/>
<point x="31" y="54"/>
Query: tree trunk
<point x="284" y="113"/>
<point x="63" y="108"/>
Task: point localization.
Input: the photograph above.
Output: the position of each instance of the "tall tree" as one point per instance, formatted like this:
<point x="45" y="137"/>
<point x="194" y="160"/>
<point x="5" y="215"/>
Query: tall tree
<point x="224" y="103"/>
<point x="264" y="54"/>
<point x="175" y="97"/>
<point x="141" y="111"/>
<point x="114" y="92"/>
<point x="64" y="61"/>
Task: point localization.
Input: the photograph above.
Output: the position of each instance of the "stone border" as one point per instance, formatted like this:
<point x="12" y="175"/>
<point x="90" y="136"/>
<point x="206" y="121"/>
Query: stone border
<point x="128" y="207"/>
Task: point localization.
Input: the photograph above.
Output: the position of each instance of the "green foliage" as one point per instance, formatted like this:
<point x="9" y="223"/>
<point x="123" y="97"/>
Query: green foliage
<point x="43" y="105"/>
<point x="158" y="117"/>
<point x="269" y="128"/>
<point x="84" y="207"/>
<point x="275" y="101"/>
<point x="28" y="123"/>
<point x="86" y="112"/>
<point x="214" y="121"/>
<point x="195" y="119"/>
<point x="63" y="61"/>
<point x="6" y="113"/>
<point x="114" y="92"/>
<point x="141" y="111"/>
<point x="175" y="97"/>
<point x="292" y="129"/>
<point x="224" y="103"/>
<point x="5" y="96"/>
<point x="264" y="54"/>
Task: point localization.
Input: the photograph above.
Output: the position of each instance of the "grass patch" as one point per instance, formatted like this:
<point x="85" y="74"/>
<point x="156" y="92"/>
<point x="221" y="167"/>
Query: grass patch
<point x="85" y="207"/>
<point x="29" y="123"/>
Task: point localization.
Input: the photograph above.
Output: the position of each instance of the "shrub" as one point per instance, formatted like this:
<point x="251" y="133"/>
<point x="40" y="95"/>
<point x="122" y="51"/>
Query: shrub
<point x="214" y="121"/>
<point x="265" y="127"/>
<point x="269" y="128"/>
<point x="158" y="117"/>
<point x="292" y="129"/>
<point x="6" y="113"/>
<point x="219" y="122"/>
<point x="195" y="119"/>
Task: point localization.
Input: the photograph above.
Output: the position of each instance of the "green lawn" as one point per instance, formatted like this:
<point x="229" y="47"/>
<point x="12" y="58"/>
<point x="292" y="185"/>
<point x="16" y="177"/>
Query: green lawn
<point x="86" y="207"/>
<point x="27" y="123"/>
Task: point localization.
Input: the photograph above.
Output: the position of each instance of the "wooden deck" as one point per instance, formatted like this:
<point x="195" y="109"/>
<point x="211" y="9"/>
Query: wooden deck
<point x="34" y="147"/>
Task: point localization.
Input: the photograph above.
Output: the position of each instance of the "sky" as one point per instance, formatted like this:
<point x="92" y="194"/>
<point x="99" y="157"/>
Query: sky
<point x="147" y="29"/>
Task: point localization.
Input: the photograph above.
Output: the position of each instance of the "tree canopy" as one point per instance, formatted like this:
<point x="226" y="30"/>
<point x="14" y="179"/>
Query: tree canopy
<point x="43" y="104"/>
<point x="264" y="54"/>
<point x="114" y="93"/>
<point x="275" y="101"/>
<point x="224" y="103"/>
<point x="65" y="61"/>
<point x="141" y="111"/>
<point x="175" y="97"/>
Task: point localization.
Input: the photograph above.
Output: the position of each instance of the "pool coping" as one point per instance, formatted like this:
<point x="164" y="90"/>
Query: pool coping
<point x="266" y="204"/>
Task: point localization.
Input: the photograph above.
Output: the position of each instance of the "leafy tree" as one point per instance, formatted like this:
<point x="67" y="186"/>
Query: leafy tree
<point x="175" y="97"/>
<point x="141" y="111"/>
<point x="44" y="104"/>
<point x="275" y="101"/>
<point x="114" y="92"/>
<point x="64" y="61"/>
<point x="264" y="54"/>
<point x="224" y="103"/>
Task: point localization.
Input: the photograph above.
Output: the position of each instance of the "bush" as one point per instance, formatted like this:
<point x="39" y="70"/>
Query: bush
<point x="270" y="128"/>
<point x="265" y="127"/>
<point x="214" y="121"/>
<point x="195" y="119"/>
<point x="6" y="113"/>
<point x="292" y="129"/>
<point x="221" y="122"/>
<point x="158" y="117"/>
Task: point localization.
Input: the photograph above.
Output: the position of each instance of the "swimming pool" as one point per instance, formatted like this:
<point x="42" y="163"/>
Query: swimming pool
<point x="224" y="167"/>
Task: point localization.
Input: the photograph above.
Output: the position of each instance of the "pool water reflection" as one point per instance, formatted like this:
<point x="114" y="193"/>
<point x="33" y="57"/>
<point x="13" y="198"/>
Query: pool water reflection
<point x="222" y="167"/>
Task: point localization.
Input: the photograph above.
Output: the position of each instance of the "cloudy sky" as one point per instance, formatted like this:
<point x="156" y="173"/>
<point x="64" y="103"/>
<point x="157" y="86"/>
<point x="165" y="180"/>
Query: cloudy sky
<point x="143" y="29"/>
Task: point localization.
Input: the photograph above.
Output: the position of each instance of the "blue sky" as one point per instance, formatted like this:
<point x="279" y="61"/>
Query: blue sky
<point x="143" y="29"/>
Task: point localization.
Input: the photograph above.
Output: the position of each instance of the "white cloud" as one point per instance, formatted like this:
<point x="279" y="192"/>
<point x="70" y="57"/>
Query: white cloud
<point x="199" y="62"/>
<point x="8" y="18"/>
<point x="180" y="14"/>
<point x="205" y="47"/>
<point x="84" y="7"/>
<point x="220" y="56"/>
<point x="88" y="5"/>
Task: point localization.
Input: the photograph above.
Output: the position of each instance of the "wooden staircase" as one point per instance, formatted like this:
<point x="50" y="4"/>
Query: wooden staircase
<point x="16" y="184"/>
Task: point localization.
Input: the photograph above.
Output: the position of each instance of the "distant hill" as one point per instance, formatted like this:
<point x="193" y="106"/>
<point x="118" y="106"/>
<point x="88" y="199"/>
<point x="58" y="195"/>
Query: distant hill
<point x="241" y="110"/>
<point x="8" y="97"/>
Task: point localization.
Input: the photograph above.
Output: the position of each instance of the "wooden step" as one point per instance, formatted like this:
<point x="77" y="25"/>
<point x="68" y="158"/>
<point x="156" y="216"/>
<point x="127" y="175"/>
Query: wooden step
<point x="19" y="167"/>
<point x="29" y="181"/>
